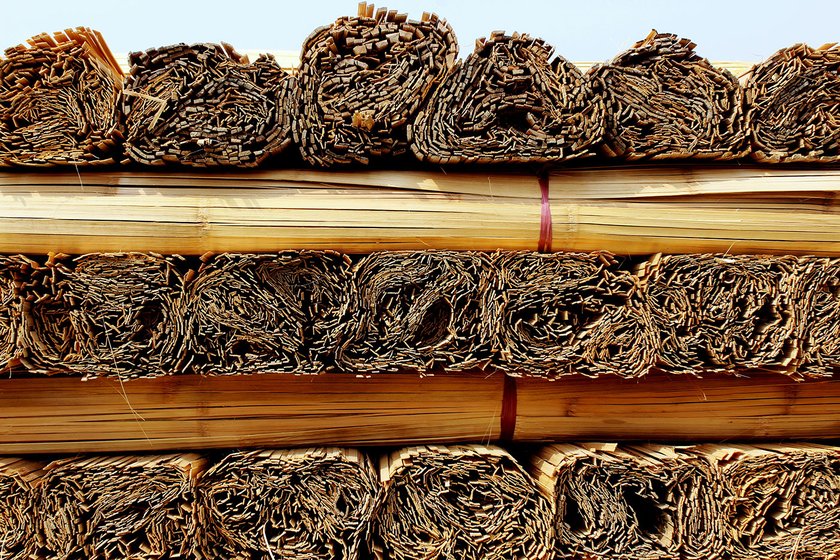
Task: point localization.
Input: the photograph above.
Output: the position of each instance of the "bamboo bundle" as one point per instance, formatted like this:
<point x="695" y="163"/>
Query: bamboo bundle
<point x="12" y="271"/>
<point x="663" y="101"/>
<point x="104" y="313"/>
<point x="563" y="313"/>
<point x="58" y="101"/>
<point x="258" y="313"/>
<point x="205" y="105"/>
<point x="416" y="310"/>
<point x="644" y="502"/>
<point x="363" y="78"/>
<point x="782" y="501"/>
<point x="818" y="290"/>
<point x="510" y="101"/>
<point x="297" y="504"/>
<point x="18" y="516"/>
<point x="465" y="501"/>
<point x="792" y="101"/>
<point x="120" y="507"/>
<point x="724" y="312"/>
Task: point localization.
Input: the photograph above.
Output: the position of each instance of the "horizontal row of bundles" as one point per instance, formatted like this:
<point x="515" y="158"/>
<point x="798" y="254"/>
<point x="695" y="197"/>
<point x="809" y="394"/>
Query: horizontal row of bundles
<point x="473" y="502"/>
<point x="524" y="313"/>
<point x="379" y="85"/>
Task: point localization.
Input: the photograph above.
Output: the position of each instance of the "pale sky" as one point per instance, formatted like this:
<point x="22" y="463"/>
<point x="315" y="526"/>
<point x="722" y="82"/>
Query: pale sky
<point x="579" y="30"/>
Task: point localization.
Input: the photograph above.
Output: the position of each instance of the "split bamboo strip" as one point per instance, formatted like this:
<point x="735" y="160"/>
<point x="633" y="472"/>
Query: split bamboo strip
<point x="792" y="103"/>
<point x="634" y="502"/>
<point x="295" y="504"/>
<point x="819" y="286"/>
<point x="420" y="311"/>
<point x="664" y="101"/>
<point x="120" y="507"/>
<point x="466" y="501"/>
<point x="509" y="101"/>
<point x="18" y="516"/>
<point x="363" y="79"/>
<point x="58" y="101"/>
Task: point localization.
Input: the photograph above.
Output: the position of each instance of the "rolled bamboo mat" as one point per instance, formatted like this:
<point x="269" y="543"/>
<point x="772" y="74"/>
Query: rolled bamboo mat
<point x="635" y="502"/>
<point x="510" y="101"/>
<point x="629" y="210"/>
<point x="792" y="100"/>
<point x="297" y="504"/>
<point x="363" y="79"/>
<point x="663" y="101"/>
<point x="120" y="507"/>
<point x="64" y="415"/>
<point x="205" y="105"/>
<point x="58" y="101"/>
<point x="465" y="501"/>
<point x="20" y="540"/>
<point x="819" y="286"/>
<point x="12" y="269"/>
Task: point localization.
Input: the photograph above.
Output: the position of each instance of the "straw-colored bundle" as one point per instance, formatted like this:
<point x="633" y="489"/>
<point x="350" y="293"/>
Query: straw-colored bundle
<point x="263" y="313"/>
<point x="19" y="520"/>
<point x="510" y="101"/>
<point x="467" y="501"/>
<point x="120" y="507"/>
<point x="818" y="304"/>
<point x="205" y="105"/>
<point x="564" y="313"/>
<point x="793" y="100"/>
<point x="363" y="79"/>
<point x="724" y="312"/>
<point x="635" y="502"/>
<point x="294" y="504"/>
<point x="103" y="313"/>
<point x="58" y="101"/>
<point x="416" y="310"/>
<point x="11" y="308"/>
<point x="663" y="101"/>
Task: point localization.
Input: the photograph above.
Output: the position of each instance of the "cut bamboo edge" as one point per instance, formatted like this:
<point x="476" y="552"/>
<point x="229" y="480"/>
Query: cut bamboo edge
<point x="65" y="415"/>
<point x="626" y="210"/>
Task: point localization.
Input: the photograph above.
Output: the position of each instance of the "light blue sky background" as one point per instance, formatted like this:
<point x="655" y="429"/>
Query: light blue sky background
<point x="579" y="30"/>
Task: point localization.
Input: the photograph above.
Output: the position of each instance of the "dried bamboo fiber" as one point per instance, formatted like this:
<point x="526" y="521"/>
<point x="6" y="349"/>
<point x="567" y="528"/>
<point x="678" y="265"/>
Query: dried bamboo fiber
<point x="793" y="99"/>
<point x="634" y="502"/>
<point x="18" y="516"/>
<point x="416" y="310"/>
<point x="295" y="504"/>
<point x="12" y="272"/>
<point x="663" y="101"/>
<point x="363" y="79"/>
<point x="120" y="507"/>
<point x="782" y="501"/>
<point x="259" y="313"/>
<point x="819" y="287"/>
<point x="563" y="313"/>
<point x="467" y="501"/>
<point x="205" y="105"/>
<point x="58" y="101"/>
<point x="509" y="101"/>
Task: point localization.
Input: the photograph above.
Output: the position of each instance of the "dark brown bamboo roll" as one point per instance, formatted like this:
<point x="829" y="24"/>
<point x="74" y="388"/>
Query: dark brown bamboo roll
<point x="511" y="101"/>
<point x="19" y="518"/>
<point x="783" y="501"/>
<point x="102" y="314"/>
<point x="470" y="502"/>
<point x="295" y="504"/>
<point x="363" y="79"/>
<point x="13" y="272"/>
<point x="564" y="313"/>
<point x="793" y="99"/>
<point x="205" y="105"/>
<point x="664" y="101"/>
<point x="120" y="507"/>
<point x="724" y="312"/>
<point x="636" y="502"/>
<point x="418" y="310"/>
<point x="818" y="304"/>
<point x="264" y="313"/>
<point x="59" y="98"/>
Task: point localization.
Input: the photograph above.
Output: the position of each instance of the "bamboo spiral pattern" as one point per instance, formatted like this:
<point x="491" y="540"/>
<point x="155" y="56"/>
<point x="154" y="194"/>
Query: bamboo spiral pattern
<point x="510" y="101"/>
<point x="205" y="105"/>
<point x="363" y="79"/>
<point x="18" y="527"/>
<point x="59" y="98"/>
